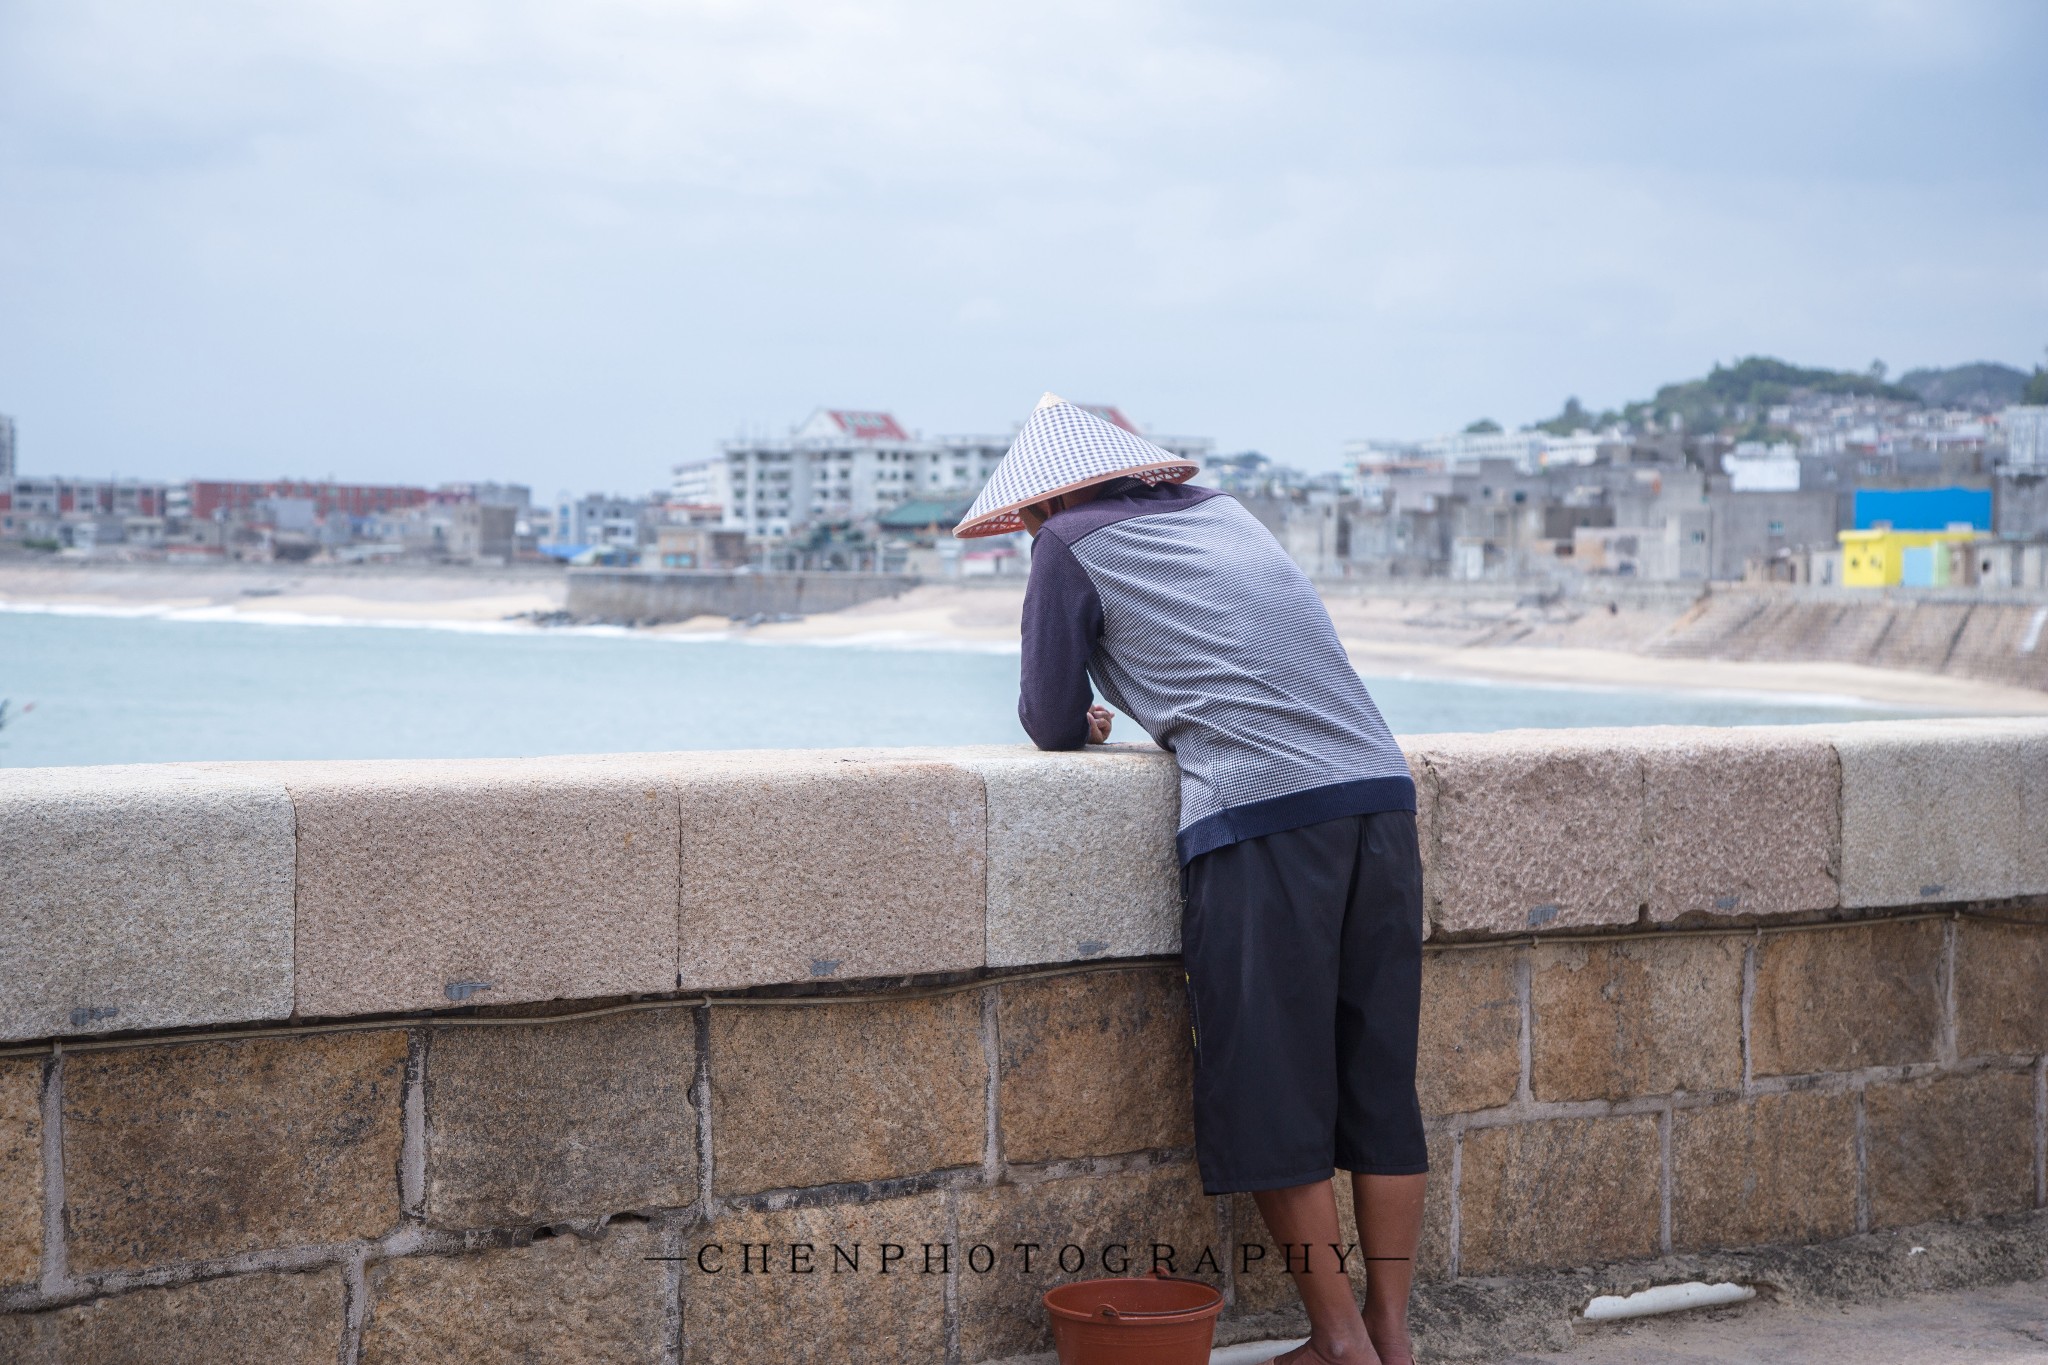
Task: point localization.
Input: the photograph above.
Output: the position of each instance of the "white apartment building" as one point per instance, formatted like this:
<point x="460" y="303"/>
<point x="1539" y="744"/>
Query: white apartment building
<point x="848" y="465"/>
<point x="1753" y="467"/>
<point x="1462" y="449"/>
<point x="1456" y="452"/>
<point x="839" y="465"/>
<point x="702" y="483"/>
<point x="2026" y="437"/>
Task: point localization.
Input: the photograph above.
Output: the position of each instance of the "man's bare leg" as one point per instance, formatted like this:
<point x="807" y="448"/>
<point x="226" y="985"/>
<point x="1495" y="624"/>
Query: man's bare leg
<point x="1306" y="1215"/>
<point x="1389" y="1209"/>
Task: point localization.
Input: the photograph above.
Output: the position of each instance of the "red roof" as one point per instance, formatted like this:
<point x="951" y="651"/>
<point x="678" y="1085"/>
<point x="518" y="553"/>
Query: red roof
<point x="869" y="426"/>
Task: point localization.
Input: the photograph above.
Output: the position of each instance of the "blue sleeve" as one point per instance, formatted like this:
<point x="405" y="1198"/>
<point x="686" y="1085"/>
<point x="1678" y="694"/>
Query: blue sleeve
<point x="1062" y="621"/>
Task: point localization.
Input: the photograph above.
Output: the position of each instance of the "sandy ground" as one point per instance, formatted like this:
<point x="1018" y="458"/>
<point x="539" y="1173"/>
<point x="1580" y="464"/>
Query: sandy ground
<point x="2007" y="1325"/>
<point x="1486" y="639"/>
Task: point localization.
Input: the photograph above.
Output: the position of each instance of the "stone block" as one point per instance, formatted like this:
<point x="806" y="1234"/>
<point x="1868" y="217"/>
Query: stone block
<point x="1615" y="1020"/>
<point x="1088" y="1227"/>
<point x="21" y="1170"/>
<point x="804" y="866"/>
<point x="1533" y="830"/>
<point x="142" y="897"/>
<point x="564" y="1300"/>
<point x="1950" y="1147"/>
<point x="845" y="1284"/>
<point x="1741" y="822"/>
<point x="1081" y="859"/>
<point x="1773" y="1169"/>
<point x="536" y="1122"/>
<point x="817" y="1094"/>
<point x="1941" y="811"/>
<point x="423" y="885"/>
<point x="1847" y="996"/>
<point x="2001" y="988"/>
<point x="1558" y="1193"/>
<point x="259" y="1319"/>
<point x="1263" y="1285"/>
<point x="1094" y="1064"/>
<point x="1469" y="1055"/>
<point x="191" y="1151"/>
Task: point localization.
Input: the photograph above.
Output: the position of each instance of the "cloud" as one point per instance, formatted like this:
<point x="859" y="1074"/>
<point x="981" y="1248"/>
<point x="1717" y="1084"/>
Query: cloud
<point x="575" y="242"/>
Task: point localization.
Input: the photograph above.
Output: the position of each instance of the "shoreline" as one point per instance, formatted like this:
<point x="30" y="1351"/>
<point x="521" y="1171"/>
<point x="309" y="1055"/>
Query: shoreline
<point x="1425" y="639"/>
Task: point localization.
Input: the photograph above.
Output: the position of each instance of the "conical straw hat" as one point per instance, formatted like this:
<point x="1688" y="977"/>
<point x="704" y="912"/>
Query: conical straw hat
<point x="1062" y="448"/>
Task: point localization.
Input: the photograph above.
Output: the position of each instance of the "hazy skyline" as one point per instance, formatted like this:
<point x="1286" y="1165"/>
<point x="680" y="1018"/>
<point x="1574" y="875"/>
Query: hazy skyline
<point x="571" y="245"/>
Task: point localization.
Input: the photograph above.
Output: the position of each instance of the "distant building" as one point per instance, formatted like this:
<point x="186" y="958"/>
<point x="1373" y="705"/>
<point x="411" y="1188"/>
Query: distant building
<point x="699" y="547"/>
<point x="1753" y="467"/>
<point x="220" y="499"/>
<point x="1527" y="450"/>
<point x="1764" y="524"/>
<point x="839" y="465"/>
<point x="702" y="483"/>
<point x="466" y="532"/>
<point x="1923" y="509"/>
<point x="961" y="464"/>
<point x="924" y="519"/>
<point x="603" y="521"/>
<point x="850" y="466"/>
<point x="1465" y="449"/>
<point x="84" y="514"/>
<point x="2026" y="438"/>
<point x="6" y="449"/>
<point x="513" y="495"/>
<point x="1885" y="558"/>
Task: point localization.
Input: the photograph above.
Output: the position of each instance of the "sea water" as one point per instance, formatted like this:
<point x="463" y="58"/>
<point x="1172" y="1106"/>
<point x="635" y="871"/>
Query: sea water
<point x="108" y="688"/>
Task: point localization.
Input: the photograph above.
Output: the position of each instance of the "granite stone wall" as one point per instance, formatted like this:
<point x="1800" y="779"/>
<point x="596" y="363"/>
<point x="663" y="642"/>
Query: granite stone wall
<point x="848" y="1056"/>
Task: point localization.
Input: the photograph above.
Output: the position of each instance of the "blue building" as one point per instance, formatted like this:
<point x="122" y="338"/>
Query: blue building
<point x="1923" y="509"/>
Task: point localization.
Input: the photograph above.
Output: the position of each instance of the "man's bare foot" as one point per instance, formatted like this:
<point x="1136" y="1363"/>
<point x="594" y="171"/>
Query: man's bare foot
<point x="1332" y="1353"/>
<point x="1393" y="1345"/>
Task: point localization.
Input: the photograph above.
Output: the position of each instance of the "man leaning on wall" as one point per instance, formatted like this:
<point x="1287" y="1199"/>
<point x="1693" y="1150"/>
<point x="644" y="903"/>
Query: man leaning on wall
<point x="1301" y="925"/>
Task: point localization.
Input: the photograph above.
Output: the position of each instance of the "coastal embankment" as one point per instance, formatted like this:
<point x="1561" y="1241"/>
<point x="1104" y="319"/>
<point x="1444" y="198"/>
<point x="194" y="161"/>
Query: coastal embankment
<point x="1999" y="637"/>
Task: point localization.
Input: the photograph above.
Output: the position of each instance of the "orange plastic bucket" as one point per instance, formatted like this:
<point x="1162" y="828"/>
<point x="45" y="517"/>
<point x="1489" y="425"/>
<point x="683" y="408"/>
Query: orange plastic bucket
<point x="1158" y="1320"/>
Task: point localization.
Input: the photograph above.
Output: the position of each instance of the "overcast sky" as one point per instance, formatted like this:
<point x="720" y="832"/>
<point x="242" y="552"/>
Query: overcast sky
<point x="571" y="242"/>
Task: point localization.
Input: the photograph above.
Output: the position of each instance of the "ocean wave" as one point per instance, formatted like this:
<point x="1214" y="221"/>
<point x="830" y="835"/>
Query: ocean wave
<point x="921" y="641"/>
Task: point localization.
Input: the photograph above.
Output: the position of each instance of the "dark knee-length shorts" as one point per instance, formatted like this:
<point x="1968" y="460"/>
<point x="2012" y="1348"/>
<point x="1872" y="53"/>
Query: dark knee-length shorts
<point x="1303" y="954"/>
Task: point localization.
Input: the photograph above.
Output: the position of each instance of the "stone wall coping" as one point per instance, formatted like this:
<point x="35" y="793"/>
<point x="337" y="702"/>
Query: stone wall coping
<point x="155" y="898"/>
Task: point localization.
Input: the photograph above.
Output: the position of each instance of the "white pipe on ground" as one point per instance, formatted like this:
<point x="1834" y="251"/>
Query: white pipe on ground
<point x="1665" y="1298"/>
<point x="1251" y="1352"/>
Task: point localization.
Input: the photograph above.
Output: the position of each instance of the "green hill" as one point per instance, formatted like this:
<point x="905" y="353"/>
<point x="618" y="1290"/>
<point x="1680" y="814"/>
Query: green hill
<point x="1736" y="399"/>
<point x="1732" y="398"/>
<point x="1983" y="384"/>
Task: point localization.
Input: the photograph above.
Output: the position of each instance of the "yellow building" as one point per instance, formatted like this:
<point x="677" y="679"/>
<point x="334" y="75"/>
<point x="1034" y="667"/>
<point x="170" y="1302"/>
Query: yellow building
<point x="1878" y="558"/>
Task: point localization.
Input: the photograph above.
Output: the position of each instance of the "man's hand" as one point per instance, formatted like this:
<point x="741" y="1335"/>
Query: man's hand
<point x="1099" y="718"/>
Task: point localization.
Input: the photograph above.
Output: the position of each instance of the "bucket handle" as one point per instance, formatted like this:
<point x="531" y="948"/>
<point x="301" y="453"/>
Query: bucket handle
<point x="1110" y="1312"/>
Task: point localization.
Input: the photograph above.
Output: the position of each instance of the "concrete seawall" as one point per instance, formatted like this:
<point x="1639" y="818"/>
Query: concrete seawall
<point x="425" y="1061"/>
<point x="654" y="595"/>
<point x="1992" y="636"/>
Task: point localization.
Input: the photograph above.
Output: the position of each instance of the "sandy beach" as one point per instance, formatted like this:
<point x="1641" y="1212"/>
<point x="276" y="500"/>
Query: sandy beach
<point x="259" y="591"/>
<point x="1477" y="638"/>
